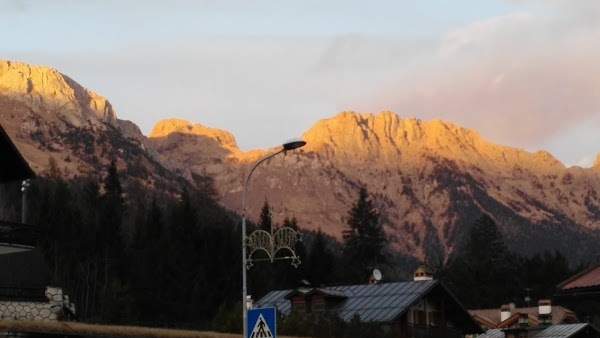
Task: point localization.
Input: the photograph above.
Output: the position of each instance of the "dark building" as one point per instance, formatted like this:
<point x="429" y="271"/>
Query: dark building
<point x="14" y="237"/>
<point x="581" y="293"/>
<point x="24" y="290"/>
<point x="420" y="308"/>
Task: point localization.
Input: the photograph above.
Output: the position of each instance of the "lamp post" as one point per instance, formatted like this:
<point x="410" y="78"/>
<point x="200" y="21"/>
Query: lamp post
<point x="24" y="186"/>
<point x="289" y="145"/>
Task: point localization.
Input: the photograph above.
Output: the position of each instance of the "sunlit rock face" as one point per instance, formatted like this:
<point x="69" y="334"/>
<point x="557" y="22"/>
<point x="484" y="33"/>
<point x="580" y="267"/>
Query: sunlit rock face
<point x="45" y="90"/>
<point x="50" y="117"/>
<point x="429" y="179"/>
<point x="190" y="148"/>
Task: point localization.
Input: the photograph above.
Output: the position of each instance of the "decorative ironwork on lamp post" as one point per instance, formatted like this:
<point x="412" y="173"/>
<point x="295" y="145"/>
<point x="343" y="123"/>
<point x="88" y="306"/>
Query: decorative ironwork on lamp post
<point x="262" y="240"/>
<point x="283" y="239"/>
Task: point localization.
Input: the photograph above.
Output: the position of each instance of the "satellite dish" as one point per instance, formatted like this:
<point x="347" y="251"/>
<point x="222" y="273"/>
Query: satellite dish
<point x="377" y="274"/>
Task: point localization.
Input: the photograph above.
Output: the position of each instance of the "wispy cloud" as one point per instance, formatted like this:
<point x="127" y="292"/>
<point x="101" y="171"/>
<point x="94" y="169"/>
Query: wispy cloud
<point x="520" y="79"/>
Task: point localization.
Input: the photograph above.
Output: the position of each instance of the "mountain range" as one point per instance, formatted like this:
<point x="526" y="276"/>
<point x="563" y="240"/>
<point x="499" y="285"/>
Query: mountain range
<point x="430" y="180"/>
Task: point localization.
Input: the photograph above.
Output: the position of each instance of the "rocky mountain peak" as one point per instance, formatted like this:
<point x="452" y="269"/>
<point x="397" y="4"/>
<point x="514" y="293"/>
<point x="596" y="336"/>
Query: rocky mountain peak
<point x="385" y="136"/>
<point x="546" y="158"/>
<point x="164" y="128"/>
<point x="45" y="90"/>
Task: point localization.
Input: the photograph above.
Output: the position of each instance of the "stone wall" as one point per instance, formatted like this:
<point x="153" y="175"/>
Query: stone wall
<point x="56" y="308"/>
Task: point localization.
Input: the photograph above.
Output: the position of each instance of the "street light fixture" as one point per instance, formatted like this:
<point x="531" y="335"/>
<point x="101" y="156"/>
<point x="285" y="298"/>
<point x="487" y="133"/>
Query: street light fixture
<point x="24" y="186"/>
<point x="289" y="145"/>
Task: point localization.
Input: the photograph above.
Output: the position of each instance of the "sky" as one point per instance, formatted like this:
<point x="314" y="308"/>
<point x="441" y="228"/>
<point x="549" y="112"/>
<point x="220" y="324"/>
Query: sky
<point x="523" y="73"/>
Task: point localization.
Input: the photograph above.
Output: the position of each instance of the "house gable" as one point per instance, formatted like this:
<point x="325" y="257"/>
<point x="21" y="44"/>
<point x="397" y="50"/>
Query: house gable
<point x="13" y="166"/>
<point x="14" y="237"/>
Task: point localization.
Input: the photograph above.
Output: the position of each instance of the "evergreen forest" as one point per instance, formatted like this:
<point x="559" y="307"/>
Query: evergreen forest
<point x="127" y="255"/>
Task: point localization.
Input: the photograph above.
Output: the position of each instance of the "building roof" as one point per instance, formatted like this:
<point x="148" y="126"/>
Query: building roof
<point x="586" y="279"/>
<point x="316" y="291"/>
<point x="492" y="316"/>
<point x="382" y="303"/>
<point x="13" y="166"/>
<point x="493" y="333"/>
<point x="372" y="302"/>
<point x="560" y="331"/>
<point x="553" y="331"/>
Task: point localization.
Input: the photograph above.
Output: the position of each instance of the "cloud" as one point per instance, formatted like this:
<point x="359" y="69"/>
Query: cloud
<point x="19" y="6"/>
<point x="519" y="79"/>
<point x="481" y="31"/>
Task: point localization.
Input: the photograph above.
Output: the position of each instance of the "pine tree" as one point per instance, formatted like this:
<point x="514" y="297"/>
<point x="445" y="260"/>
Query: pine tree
<point x="112" y="185"/>
<point x="320" y="261"/>
<point x="479" y="276"/>
<point x="112" y="245"/>
<point x="265" y="221"/>
<point x="364" y="240"/>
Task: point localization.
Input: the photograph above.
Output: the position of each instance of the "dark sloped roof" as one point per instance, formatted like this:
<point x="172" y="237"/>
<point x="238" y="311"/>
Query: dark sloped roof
<point x="372" y="302"/>
<point x="493" y="333"/>
<point x="316" y="291"/>
<point x="277" y="300"/>
<point x="13" y="166"/>
<point x="380" y="302"/>
<point x="561" y="331"/>
<point x="554" y="331"/>
<point x="383" y="303"/>
<point x="585" y="279"/>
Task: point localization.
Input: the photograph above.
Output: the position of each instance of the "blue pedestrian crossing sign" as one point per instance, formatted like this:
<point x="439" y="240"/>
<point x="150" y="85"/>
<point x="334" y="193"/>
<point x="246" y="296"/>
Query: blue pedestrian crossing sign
<point x="261" y="323"/>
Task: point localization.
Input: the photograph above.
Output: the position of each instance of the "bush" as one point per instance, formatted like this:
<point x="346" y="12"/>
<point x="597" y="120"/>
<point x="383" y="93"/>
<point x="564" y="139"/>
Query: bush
<point x="327" y="325"/>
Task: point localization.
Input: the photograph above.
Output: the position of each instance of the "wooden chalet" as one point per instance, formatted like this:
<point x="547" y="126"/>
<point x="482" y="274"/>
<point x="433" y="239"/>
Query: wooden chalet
<point x="421" y="308"/>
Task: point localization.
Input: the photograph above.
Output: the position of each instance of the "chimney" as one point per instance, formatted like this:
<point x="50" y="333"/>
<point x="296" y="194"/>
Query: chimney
<point x="422" y="273"/>
<point x="505" y="312"/>
<point x="545" y="307"/>
<point x="545" y="311"/>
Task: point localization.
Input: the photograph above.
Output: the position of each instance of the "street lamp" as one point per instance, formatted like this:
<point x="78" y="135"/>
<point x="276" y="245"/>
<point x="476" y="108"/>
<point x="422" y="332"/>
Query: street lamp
<point x="289" y="145"/>
<point x="24" y="186"/>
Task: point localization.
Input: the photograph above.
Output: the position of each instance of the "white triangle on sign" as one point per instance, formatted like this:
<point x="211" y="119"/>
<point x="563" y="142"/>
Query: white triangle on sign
<point x="261" y="329"/>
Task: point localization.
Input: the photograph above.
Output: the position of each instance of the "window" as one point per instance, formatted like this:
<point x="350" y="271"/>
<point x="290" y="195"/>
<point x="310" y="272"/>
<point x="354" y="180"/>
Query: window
<point x="420" y="318"/>
<point x="435" y="319"/>
<point x="318" y="305"/>
<point x="298" y="305"/>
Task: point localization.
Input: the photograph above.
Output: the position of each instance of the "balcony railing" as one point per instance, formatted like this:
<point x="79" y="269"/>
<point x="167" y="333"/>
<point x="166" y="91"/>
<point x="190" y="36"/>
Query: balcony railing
<point x="17" y="234"/>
